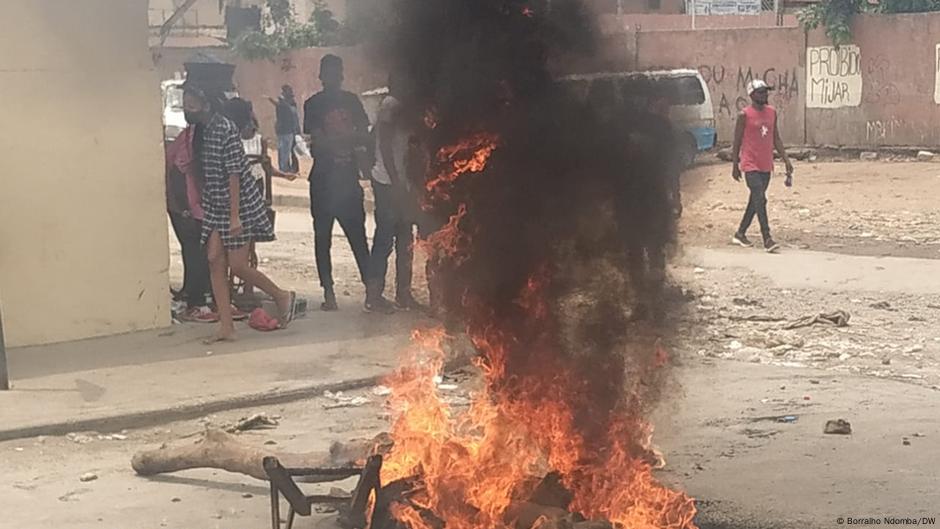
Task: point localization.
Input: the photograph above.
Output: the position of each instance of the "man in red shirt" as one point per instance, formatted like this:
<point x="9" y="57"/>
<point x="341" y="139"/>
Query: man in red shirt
<point x="756" y="135"/>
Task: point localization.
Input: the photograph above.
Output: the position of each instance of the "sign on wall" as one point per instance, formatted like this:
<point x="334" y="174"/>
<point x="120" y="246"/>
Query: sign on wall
<point x="833" y="77"/>
<point x="724" y="7"/>
<point x="936" y="86"/>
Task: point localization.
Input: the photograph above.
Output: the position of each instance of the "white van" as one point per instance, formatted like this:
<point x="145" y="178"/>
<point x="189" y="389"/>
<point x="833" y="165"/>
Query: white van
<point x="691" y="103"/>
<point x="174" y="121"/>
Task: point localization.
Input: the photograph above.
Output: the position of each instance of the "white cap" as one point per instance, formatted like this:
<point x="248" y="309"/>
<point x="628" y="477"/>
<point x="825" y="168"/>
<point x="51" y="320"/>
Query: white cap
<point x="757" y="84"/>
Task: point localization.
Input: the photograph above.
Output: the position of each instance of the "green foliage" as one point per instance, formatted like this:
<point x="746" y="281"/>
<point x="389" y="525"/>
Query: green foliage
<point x="329" y="30"/>
<point x="835" y="15"/>
<point x="256" y="45"/>
<point x="286" y="33"/>
<point x="908" y="6"/>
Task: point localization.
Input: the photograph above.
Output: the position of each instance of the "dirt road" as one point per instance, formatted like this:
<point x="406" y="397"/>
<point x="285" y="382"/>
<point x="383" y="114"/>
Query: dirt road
<point x="742" y="428"/>
<point x="860" y="208"/>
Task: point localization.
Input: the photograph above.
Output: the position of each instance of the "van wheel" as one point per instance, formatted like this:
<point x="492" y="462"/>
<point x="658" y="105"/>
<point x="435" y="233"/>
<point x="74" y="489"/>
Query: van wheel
<point x="688" y="148"/>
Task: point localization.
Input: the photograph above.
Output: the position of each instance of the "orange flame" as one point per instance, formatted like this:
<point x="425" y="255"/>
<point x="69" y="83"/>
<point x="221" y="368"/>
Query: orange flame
<point x="474" y="465"/>
<point x="449" y="241"/>
<point x="470" y="155"/>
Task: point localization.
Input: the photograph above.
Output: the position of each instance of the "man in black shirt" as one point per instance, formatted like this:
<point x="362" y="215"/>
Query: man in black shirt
<point x="342" y="150"/>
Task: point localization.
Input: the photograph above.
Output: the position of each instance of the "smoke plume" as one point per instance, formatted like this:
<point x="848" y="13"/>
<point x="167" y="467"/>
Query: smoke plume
<point x="539" y="198"/>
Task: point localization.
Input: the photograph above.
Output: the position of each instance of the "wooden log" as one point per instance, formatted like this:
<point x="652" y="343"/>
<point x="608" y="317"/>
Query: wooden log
<point x="220" y="450"/>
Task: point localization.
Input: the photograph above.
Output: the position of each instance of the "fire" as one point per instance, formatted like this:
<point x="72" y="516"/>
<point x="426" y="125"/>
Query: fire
<point x="474" y="465"/>
<point x="477" y="466"/>
<point x="470" y="155"/>
<point x="449" y="241"/>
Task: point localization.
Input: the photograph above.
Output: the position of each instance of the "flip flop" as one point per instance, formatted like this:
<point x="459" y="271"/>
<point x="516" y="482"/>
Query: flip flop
<point x="289" y="317"/>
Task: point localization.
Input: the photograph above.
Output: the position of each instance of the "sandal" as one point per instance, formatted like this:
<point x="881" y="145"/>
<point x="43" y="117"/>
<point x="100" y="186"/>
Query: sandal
<point x="287" y="318"/>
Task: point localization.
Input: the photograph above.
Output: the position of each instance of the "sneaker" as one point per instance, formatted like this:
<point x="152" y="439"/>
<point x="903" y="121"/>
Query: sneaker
<point x="379" y="305"/>
<point x="201" y="314"/>
<point x="329" y="302"/>
<point x="770" y="246"/>
<point x="741" y="240"/>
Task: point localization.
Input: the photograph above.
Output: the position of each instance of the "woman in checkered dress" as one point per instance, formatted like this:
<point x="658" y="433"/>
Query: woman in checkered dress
<point x="234" y="212"/>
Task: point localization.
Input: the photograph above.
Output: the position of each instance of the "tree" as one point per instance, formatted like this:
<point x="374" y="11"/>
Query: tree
<point x="286" y="33"/>
<point x="836" y="15"/>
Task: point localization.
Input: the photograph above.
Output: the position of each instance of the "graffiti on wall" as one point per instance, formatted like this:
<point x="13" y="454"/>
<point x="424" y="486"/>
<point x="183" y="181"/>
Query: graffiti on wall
<point x="879" y="85"/>
<point x="881" y="131"/>
<point x="728" y="85"/>
<point x="833" y="76"/>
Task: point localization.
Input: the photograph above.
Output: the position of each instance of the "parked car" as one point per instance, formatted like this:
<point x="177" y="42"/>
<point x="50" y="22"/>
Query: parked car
<point x="691" y="107"/>
<point x="210" y="74"/>
<point x="690" y="110"/>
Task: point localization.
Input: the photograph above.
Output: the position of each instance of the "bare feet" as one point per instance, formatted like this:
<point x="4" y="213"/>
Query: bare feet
<point x="221" y="336"/>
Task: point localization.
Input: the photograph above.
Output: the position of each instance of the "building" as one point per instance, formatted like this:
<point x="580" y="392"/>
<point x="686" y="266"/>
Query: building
<point x="631" y="7"/>
<point x="205" y="18"/>
<point x="83" y="233"/>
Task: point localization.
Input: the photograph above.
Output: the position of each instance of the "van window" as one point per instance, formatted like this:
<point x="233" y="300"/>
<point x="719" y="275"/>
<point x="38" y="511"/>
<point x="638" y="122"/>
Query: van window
<point x="635" y="91"/>
<point x="679" y="90"/>
<point x="686" y="91"/>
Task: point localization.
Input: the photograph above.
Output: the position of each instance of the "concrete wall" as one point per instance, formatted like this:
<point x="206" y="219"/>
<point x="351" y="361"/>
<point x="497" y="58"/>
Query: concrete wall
<point x="204" y="13"/>
<point x="897" y="63"/>
<point x="656" y="21"/>
<point x="889" y="98"/>
<point x="171" y="59"/>
<point x="83" y="235"/>
<point x="636" y="6"/>
<point x="300" y="69"/>
<point x="881" y="90"/>
<point x="728" y="60"/>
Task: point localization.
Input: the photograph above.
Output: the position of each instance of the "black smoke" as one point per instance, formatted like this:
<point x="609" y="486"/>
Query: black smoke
<point x="566" y="197"/>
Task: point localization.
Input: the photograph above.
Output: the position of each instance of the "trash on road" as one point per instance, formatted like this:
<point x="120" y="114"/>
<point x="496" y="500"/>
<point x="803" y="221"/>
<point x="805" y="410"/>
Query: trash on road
<point x="883" y="305"/>
<point x="838" y="427"/>
<point x="79" y="438"/>
<point x="258" y="421"/>
<point x="343" y="401"/>
<point x="839" y="318"/>
<point x="88" y="476"/>
<point x="381" y="391"/>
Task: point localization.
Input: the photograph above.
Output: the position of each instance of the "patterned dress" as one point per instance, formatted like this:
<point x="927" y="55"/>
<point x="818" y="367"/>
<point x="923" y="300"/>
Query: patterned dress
<point x="224" y="155"/>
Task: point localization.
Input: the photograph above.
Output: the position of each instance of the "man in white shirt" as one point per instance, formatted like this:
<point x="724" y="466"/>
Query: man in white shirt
<point x="394" y="219"/>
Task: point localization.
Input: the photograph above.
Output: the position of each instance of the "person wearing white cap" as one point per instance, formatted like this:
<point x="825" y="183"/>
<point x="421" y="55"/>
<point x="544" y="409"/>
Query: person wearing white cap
<point x="756" y="135"/>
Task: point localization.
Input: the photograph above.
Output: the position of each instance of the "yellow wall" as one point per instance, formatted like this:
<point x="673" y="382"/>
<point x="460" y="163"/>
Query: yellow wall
<point x="83" y="235"/>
